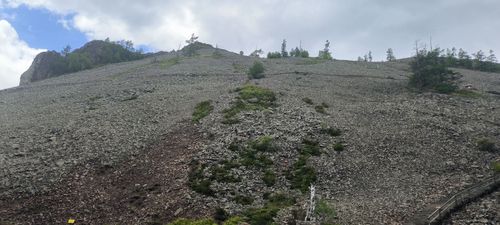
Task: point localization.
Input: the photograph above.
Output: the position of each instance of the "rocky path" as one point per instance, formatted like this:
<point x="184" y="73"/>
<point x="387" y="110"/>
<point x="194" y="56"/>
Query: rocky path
<point x="147" y="188"/>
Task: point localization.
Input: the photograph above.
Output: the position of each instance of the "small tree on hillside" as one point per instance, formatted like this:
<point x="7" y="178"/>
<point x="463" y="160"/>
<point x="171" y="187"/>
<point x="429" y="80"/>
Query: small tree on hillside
<point x="190" y="50"/>
<point x="325" y="54"/>
<point x="491" y="58"/>
<point x="66" y="50"/>
<point x="370" y="57"/>
<point x="284" y="53"/>
<point x="430" y="72"/>
<point x="257" y="53"/>
<point x="390" y="55"/>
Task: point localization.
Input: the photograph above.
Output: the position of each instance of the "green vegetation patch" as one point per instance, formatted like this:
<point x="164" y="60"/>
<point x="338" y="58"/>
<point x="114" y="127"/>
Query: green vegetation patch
<point x="256" y="71"/>
<point x="269" y="178"/>
<point x="468" y="94"/>
<point x="338" y="147"/>
<point x="301" y="176"/>
<point x="486" y="145"/>
<point x="222" y="173"/>
<point x="495" y="166"/>
<point x="165" y="64"/>
<point x="331" y="131"/>
<point x="325" y="212"/>
<point x="253" y="158"/>
<point x="321" y="109"/>
<point x="202" y="110"/>
<point x="251" y="97"/>
<point x="310" y="147"/>
<point x="197" y="181"/>
<point x="263" y="144"/>
<point x="311" y="61"/>
<point x="243" y="200"/>
<point x="308" y="101"/>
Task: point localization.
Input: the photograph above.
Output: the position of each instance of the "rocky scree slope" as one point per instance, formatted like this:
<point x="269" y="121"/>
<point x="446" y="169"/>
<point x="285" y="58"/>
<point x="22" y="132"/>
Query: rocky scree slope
<point x="403" y="150"/>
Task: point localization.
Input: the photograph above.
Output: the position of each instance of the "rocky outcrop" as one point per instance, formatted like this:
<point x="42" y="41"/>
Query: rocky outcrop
<point x="45" y="65"/>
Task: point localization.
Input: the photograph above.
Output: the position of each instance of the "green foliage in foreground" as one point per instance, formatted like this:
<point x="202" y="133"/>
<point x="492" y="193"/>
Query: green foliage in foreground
<point x="202" y="110"/>
<point x="251" y="97"/>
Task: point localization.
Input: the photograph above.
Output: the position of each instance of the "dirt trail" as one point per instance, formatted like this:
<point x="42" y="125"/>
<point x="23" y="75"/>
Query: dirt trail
<point x="149" y="188"/>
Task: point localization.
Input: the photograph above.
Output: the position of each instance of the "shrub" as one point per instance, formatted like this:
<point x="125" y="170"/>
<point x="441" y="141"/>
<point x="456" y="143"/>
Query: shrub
<point x="486" y="145"/>
<point x="269" y="178"/>
<point x="202" y="110"/>
<point x="256" y="70"/>
<point x="301" y="176"/>
<point x="324" y="105"/>
<point x="243" y="200"/>
<point x="332" y="131"/>
<point x="496" y="166"/>
<point x="220" y="214"/>
<point x="320" y="109"/>
<point x="235" y="220"/>
<point x="263" y="144"/>
<point x="308" y="101"/>
<point x="197" y="182"/>
<point x="262" y="216"/>
<point x="325" y="212"/>
<point x="252" y="158"/>
<point x="273" y="55"/>
<point x="310" y="147"/>
<point x="338" y="147"/>
<point x="221" y="173"/>
<point x="280" y="200"/>
<point x="430" y="72"/>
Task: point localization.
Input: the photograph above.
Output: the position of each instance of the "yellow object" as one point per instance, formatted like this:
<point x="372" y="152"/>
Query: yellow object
<point x="71" y="221"/>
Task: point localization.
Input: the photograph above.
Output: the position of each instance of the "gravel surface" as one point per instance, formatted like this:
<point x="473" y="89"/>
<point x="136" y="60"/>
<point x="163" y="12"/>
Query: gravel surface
<point x="404" y="150"/>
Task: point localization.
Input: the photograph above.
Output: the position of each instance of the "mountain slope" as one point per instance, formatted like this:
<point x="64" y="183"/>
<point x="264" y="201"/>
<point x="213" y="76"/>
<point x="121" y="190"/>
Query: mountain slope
<point x="403" y="150"/>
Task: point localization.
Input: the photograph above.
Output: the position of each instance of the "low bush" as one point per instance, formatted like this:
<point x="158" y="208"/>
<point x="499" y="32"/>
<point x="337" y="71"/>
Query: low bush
<point x="243" y="200"/>
<point x="269" y="178"/>
<point x="308" y="101"/>
<point x="486" y="145"/>
<point x="202" y="110"/>
<point x="310" y="147"/>
<point x="338" y="147"/>
<point x="256" y="71"/>
<point x="320" y="109"/>
<point x="331" y="131"/>
<point x="301" y="176"/>
<point x="263" y="144"/>
<point x="250" y="97"/>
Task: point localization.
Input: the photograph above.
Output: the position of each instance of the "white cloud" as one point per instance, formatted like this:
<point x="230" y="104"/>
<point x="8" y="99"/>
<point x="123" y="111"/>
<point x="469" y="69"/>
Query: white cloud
<point x="353" y="28"/>
<point x="15" y="56"/>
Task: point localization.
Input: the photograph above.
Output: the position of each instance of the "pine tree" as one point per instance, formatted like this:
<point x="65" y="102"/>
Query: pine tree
<point x="370" y="57"/>
<point x="284" y="53"/>
<point x="66" y="50"/>
<point x="491" y="58"/>
<point x="390" y="55"/>
<point x="325" y="54"/>
<point x="479" y="56"/>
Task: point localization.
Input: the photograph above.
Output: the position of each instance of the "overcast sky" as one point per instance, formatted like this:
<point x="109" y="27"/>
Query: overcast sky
<point x="353" y="27"/>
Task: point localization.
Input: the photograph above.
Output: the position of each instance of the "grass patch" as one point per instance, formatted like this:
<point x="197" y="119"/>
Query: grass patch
<point x="197" y="182"/>
<point x="445" y="88"/>
<point x="325" y="212"/>
<point x="310" y="147"/>
<point x="269" y="178"/>
<point x="308" y="101"/>
<point x="202" y="110"/>
<point x="331" y="131"/>
<point x="263" y="144"/>
<point x="221" y="173"/>
<point x="243" y="200"/>
<point x="468" y="94"/>
<point x="486" y="145"/>
<point x="252" y="158"/>
<point x="320" y="109"/>
<point x="251" y="97"/>
<point x="265" y="215"/>
<point x="301" y="176"/>
<point x="165" y="64"/>
<point x="324" y="105"/>
<point x="338" y="147"/>
<point x="495" y="166"/>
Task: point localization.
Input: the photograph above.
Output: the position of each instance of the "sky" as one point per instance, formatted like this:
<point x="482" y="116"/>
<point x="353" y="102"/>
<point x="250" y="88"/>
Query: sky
<point x="353" y="27"/>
